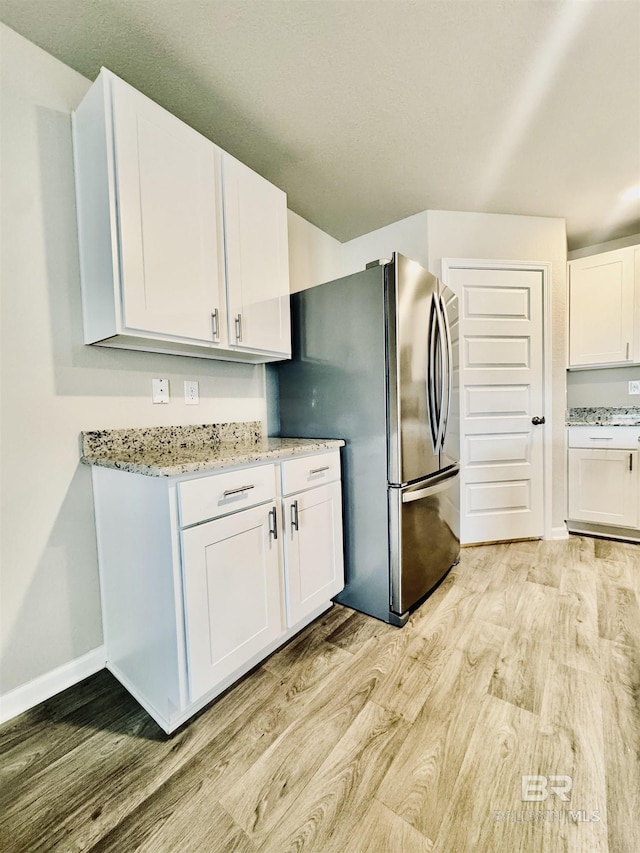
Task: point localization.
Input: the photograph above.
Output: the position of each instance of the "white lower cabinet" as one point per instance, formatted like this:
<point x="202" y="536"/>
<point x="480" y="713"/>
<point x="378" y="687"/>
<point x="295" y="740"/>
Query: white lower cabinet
<point x="603" y="486"/>
<point x="604" y="481"/>
<point x="232" y="594"/>
<point x="204" y="576"/>
<point x="313" y="554"/>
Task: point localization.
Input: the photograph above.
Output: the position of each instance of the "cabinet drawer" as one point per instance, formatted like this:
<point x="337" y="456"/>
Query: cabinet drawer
<point x="219" y="494"/>
<point x="310" y="471"/>
<point x="606" y="438"/>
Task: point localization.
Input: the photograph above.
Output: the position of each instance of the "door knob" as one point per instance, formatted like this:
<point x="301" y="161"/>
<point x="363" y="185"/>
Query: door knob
<point x="537" y="421"/>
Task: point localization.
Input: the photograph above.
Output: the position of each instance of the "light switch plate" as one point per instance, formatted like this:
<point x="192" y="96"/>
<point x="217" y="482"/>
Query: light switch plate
<point x="634" y="386"/>
<point x="160" y="390"/>
<point x="191" y="392"/>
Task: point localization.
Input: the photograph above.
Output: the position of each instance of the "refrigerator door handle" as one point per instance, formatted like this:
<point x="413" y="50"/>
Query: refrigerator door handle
<point x="433" y="414"/>
<point x="448" y="352"/>
<point x="441" y="356"/>
<point x="439" y="484"/>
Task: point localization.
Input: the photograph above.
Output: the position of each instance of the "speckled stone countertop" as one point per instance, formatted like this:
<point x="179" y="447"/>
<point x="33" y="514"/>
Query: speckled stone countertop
<point x="172" y="451"/>
<point x="603" y="416"/>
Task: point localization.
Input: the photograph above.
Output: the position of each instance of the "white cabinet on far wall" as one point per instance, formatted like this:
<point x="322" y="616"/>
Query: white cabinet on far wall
<point x="151" y="226"/>
<point x="603" y="486"/>
<point x="604" y="304"/>
<point x="604" y="481"/>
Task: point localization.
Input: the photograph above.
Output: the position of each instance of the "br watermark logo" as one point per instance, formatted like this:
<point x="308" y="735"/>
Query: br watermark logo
<point x="536" y="789"/>
<point x="539" y="789"/>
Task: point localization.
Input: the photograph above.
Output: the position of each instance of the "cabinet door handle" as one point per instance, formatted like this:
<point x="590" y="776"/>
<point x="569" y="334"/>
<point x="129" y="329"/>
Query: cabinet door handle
<point x="228" y="492"/>
<point x="631" y="461"/>
<point x="238" y="327"/>
<point x="294" y="515"/>
<point x="215" y="328"/>
<point x="318" y="470"/>
<point x="273" y="514"/>
<point x="628" y="348"/>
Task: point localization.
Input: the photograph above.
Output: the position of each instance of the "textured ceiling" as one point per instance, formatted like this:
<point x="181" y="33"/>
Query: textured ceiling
<point x="365" y="112"/>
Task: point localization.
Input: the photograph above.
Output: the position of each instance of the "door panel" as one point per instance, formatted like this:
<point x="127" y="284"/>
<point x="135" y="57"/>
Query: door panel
<point x="501" y="390"/>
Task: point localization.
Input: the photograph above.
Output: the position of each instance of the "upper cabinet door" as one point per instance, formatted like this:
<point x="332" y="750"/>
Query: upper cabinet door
<point x="167" y="187"/>
<point x="255" y="219"/>
<point x="601" y="309"/>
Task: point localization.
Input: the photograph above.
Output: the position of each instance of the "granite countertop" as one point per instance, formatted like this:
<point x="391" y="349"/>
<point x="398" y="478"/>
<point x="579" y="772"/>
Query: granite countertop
<point x="603" y="416"/>
<point x="172" y="451"/>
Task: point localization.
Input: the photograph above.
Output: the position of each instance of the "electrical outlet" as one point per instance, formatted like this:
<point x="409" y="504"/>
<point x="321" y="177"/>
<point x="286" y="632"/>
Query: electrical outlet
<point x="160" y="390"/>
<point x="634" y="386"/>
<point x="191" y="392"/>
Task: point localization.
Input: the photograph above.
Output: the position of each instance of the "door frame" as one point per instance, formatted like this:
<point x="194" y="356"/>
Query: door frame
<point x="543" y="267"/>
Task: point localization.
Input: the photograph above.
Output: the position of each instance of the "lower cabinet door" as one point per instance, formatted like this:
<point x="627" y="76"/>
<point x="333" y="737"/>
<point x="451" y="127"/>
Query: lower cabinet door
<point x="231" y="576"/>
<point x="604" y="486"/>
<point x="314" y="563"/>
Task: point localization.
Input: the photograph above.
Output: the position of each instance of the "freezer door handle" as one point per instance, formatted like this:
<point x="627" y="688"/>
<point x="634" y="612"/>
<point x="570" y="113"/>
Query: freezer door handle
<point x="439" y="484"/>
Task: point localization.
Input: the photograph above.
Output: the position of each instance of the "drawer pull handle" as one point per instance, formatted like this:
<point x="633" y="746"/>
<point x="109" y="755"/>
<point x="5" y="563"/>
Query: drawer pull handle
<point x="273" y="531"/>
<point x="600" y="438"/>
<point x="228" y="492"/>
<point x="319" y="470"/>
<point x="294" y="515"/>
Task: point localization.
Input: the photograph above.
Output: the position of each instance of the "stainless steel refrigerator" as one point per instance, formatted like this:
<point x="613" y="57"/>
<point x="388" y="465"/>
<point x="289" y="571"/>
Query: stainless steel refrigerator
<point x="375" y="361"/>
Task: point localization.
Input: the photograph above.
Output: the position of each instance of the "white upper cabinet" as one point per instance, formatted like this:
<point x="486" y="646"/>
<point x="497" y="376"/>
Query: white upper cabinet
<point x="170" y="234"/>
<point x="604" y="301"/>
<point x="152" y="241"/>
<point x="256" y="245"/>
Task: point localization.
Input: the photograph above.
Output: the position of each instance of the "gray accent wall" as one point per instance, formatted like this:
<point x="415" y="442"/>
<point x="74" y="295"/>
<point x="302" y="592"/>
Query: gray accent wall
<point x="605" y="387"/>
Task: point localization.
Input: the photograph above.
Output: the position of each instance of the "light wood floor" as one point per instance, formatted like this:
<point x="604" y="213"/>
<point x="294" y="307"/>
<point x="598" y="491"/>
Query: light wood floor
<point x="361" y="737"/>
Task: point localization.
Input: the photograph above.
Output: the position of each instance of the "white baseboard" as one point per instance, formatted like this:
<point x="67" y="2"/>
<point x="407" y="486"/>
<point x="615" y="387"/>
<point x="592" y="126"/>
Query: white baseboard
<point x="45" y="686"/>
<point x="560" y="532"/>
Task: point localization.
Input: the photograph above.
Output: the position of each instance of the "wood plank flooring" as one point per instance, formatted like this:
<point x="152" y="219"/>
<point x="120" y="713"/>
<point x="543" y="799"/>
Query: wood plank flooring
<point x="361" y="737"/>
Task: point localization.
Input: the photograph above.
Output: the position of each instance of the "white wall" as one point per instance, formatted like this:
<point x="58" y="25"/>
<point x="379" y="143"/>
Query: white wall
<point x="407" y="236"/>
<point x="53" y="386"/>
<point x="314" y="256"/>
<point x="522" y="238"/>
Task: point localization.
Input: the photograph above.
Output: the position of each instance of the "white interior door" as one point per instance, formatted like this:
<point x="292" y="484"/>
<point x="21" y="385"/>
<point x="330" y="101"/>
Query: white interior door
<point x="501" y="392"/>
